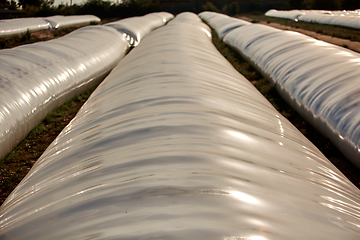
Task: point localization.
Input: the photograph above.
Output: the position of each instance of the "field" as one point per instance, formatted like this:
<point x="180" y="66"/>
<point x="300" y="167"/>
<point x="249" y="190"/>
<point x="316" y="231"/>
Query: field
<point x="17" y="163"/>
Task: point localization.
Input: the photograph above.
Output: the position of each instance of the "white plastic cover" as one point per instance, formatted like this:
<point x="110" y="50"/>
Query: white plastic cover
<point x="65" y="21"/>
<point x="351" y="21"/>
<point x="37" y="78"/>
<point x="320" y="80"/>
<point x="293" y="14"/>
<point x="222" y="24"/>
<point x="16" y="26"/>
<point x="165" y="16"/>
<point x="176" y="144"/>
<point x="192" y="19"/>
<point x="344" y="18"/>
<point x="135" y="28"/>
<point x="355" y="13"/>
<point x="21" y="25"/>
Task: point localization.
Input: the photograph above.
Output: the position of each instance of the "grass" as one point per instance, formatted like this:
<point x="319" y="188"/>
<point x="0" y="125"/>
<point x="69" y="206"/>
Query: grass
<point x="18" y="162"/>
<point x="13" y="41"/>
<point x="269" y="91"/>
<point x="28" y="37"/>
<point x="63" y="31"/>
<point x="330" y="30"/>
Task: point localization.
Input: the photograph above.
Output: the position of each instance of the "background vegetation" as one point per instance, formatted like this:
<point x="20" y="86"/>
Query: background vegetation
<point x="128" y="8"/>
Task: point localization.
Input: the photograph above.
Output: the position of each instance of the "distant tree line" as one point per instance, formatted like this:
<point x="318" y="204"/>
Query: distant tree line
<point x="325" y="4"/>
<point x="128" y="8"/>
<point x="12" y="5"/>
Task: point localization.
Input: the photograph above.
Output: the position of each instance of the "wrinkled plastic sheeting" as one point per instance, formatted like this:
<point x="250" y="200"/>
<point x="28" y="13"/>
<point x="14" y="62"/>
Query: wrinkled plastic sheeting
<point x="176" y="144"/>
<point x="21" y="25"/>
<point x="192" y="19"/>
<point x="351" y="21"/>
<point x="344" y="18"/>
<point x="136" y="28"/>
<point x="222" y="24"/>
<point x="293" y="14"/>
<point x="165" y="16"/>
<point x="320" y="80"/>
<point x="355" y="13"/>
<point x="37" y="78"/>
<point x="65" y="21"/>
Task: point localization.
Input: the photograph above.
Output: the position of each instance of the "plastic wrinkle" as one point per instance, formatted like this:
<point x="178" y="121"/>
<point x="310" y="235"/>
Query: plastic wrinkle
<point x="319" y="80"/>
<point x="37" y="78"/>
<point x="21" y="25"/>
<point x="176" y="144"/>
<point x="221" y="23"/>
<point x="343" y="18"/>
<point x="66" y="21"/>
<point x="135" y="28"/>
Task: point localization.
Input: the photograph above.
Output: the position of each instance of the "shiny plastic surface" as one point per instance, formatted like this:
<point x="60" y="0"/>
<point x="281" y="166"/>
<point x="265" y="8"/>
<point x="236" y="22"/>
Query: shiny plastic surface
<point x="176" y="144"/>
<point x="136" y="28"/>
<point x="65" y="21"/>
<point x="222" y="24"/>
<point x="293" y="14"/>
<point x="320" y="80"/>
<point x="347" y="20"/>
<point x="21" y="25"/>
<point x="344" y="18"/>
<point x="37" y="78"/>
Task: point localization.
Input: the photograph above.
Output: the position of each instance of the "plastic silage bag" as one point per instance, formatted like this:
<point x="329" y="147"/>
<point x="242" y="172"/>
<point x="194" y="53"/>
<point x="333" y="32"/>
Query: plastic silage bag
<point x="37" y="78"/>
<point x="176" y="144"/>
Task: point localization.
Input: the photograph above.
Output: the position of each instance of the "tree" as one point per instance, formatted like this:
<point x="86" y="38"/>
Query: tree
<point x="35" y="3"/>
<point x="351" y="4"/>
<point x="234" y="8"/>
<point x="307" y="4"/>
<point x="8" y="4"/>
<point x="209" y="6"/>
<point x="322" y="4"/>
<point x="295" y="4"/>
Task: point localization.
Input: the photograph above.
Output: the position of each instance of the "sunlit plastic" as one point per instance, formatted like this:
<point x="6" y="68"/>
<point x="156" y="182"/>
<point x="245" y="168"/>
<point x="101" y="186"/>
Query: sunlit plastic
<point x="318" y="79"/>
<point x="343" y="18"/>
<point x="135" y="28"/>
<point x="36" y="78"/>
<point x="221" y="23"/>
<point x="21" y="25"/>
<point x="65" y="21"/>
<point x="176" y="144"/>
